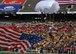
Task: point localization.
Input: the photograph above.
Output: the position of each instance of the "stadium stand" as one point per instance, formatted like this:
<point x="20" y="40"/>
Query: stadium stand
<point x="29" y="6"/>
<point x="63" y="1"/>
<point x="60" y="35"/>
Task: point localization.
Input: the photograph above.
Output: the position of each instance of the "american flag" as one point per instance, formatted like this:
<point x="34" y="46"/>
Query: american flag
<point x="33" y="39"/>
<point x="9" y="37"/>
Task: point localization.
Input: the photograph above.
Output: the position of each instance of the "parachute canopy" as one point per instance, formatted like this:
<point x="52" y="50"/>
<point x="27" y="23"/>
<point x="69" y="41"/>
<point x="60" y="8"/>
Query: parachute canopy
<point x="47" y="6"/>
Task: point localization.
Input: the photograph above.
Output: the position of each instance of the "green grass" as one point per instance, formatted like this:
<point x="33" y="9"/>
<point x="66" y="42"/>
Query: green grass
<point x="8" y="52"/>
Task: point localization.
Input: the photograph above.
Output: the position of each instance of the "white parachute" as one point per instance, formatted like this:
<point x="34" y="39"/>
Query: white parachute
<point x="47" y="6"/>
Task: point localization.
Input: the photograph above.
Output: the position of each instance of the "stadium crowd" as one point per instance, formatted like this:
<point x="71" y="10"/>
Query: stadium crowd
<point x="60" y="36"/>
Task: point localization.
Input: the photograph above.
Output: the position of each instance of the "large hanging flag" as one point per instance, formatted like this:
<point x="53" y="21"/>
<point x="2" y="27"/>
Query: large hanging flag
<point x="10" y="38"/>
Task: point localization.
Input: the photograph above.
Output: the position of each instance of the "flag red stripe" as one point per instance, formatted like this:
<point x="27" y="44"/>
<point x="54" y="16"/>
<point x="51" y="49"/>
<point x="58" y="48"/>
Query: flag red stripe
<point x="1" y="31"/>
<point x="25" y="42"/>
<point x="24" y="47"/>
<point x="13" y="32"/>
<point x="9" y="37"/>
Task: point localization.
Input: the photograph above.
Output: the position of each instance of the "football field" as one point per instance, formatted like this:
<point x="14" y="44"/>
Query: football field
<point x="7" y="52"/>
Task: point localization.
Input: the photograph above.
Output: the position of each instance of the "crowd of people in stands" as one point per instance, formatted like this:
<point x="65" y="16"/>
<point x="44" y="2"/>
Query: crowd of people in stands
<point x="60" y="36"/>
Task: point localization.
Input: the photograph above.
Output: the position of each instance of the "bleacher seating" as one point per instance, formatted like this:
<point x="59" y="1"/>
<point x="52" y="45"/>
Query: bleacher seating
<point x="62" y="35"/>
<point x="29" y="6"/>
<point x="42" y="29"/>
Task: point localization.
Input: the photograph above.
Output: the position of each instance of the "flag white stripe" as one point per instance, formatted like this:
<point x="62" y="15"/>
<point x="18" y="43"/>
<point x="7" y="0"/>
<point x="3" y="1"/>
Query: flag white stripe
<point x="5" y="46"/>
<point x="13" y="31"/>
<point x="25" y="47"/>
<point x="28" y="42"/>
<point x="8" y="37"/>
<point x="9" y="33"/>
<point x="9" y="43"/>
<point x="3" y="38"/>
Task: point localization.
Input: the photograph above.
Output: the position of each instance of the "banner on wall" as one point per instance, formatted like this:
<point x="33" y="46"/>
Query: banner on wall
<point x="13" y="2"/>
<point x="10" y="8"/>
